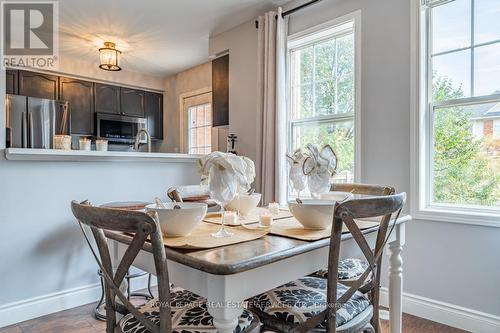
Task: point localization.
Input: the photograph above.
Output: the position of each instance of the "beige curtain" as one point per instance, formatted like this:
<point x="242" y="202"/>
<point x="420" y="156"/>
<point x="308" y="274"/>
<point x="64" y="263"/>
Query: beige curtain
<point x="271" y="87"/>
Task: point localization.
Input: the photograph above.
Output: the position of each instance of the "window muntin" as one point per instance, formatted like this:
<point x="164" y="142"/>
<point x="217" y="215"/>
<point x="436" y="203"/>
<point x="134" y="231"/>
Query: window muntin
<point x="464" y="96"/>
<point x="322" y="89"/>
<point x="200" y="129"/>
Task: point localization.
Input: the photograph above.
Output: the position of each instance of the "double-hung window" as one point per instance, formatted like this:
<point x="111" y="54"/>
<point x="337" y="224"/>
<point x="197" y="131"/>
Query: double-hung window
<point x="322" y="88"/>
<point x="460" y="107"/>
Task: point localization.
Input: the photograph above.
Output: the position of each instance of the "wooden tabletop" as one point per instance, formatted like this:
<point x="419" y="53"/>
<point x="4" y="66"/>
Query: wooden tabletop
<point x="240" y="257"/>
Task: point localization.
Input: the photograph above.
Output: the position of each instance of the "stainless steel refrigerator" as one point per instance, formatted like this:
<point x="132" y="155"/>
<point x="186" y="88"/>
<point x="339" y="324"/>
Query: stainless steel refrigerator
<point x="33" y="122"/>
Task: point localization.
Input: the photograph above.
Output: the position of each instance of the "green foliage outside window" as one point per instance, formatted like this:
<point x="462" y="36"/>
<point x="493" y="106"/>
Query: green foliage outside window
<point x="463" y="173"/>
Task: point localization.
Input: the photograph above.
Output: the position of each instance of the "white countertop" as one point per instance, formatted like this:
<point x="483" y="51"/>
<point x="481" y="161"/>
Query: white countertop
<point x="25" y="154"/>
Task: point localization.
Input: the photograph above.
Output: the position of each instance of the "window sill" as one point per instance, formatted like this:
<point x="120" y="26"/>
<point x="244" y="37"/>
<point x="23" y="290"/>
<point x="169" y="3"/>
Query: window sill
<point x="485" y="219"/>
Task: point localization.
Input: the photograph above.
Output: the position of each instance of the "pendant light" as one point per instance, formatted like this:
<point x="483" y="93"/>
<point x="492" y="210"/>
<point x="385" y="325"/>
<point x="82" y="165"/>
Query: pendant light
<point x="109" y="57"/>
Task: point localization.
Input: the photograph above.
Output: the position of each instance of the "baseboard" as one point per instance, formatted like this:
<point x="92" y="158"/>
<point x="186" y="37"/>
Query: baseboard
<point x="23" y="310"/>
<point x="446" y="313"/>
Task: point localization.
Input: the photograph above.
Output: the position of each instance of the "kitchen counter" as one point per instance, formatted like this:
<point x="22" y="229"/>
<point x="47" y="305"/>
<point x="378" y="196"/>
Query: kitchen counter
<point x="26" y="154"/>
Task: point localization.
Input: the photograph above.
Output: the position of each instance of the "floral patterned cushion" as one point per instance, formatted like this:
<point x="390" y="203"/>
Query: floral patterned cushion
<point x="301" y="299"/>
<point x="189" y="315"/>
<point x="348" y="269"/>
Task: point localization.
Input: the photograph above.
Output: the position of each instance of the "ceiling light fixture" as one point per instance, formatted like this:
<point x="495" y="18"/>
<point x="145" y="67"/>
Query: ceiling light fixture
<point x="109" y="57"/>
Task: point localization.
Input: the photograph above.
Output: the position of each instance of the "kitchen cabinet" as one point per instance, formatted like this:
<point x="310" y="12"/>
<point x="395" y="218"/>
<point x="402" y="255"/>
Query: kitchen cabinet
<point x="38" y="85"/>
<point x="107" y="98"/>
<point x="132" y="102"/>
<point x="154" y="114"/>
<point x="11" y="84"/>
<point x="220" y="91"/>
<point x="80" y="95"/>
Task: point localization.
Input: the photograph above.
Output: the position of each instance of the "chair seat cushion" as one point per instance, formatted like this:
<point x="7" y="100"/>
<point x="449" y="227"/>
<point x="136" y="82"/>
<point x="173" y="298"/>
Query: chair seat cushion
<point x="301" y="299"/>
<point x="189" y="315"/>
<point x="350" y="268"/>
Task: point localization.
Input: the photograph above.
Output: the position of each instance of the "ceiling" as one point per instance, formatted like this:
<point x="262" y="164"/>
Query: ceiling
<point x="159" y="37"/>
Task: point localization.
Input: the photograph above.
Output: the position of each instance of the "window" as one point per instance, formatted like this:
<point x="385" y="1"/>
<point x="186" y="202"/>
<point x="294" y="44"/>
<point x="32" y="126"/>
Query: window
<point x="200" y="129"/>
<point x="461" y="166"/>
<point x="322" y="81"/>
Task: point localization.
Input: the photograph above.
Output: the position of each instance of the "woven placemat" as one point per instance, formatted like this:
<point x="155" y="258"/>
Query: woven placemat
<point x="201" y="237"/>
<point x="251" y="218"/>
<point x="292" y="228"/>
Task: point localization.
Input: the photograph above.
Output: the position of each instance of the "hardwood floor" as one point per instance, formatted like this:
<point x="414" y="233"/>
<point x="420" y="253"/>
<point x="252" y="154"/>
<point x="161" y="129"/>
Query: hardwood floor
<point x="81" y="320"/>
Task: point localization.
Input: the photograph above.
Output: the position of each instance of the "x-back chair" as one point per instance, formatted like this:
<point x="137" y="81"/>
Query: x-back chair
<point x="318" y="304"/>
<point x="156" y="316"/>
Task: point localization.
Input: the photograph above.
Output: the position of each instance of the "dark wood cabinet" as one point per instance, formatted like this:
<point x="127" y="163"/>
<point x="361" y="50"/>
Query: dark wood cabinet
<point x="154" y="114"/>
<point x="87" y="98"/>
<point x="38" y="85"/>
<point x="107" y="98"/>
<point x="80" y="95"/>
<point x="132" y="102"/>
<point x="12" y="79"/>
<point x="220" y="91"/>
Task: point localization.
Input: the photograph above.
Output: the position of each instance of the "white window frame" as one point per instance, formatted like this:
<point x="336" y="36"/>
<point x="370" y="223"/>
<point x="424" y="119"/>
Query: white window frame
<point x="421" y="132"/>
<point x="324" y="31"/>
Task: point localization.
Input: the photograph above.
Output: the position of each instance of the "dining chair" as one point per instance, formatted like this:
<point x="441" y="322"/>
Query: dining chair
<point x="173" y="311"/>
<point x="313" y="304"/>
<point x="350" y="269"/>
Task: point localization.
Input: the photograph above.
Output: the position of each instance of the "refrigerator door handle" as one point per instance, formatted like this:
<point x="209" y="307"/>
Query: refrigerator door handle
<point x="24" y="131"/>
<point x="30" y="130"/>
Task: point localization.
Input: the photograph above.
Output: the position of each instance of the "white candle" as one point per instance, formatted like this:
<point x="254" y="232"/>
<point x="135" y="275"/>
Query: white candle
<point x="101" y="145"/>
<point x="265" y="219"/>
<point x="274" y="208"/>
<point x="231" y="218"/>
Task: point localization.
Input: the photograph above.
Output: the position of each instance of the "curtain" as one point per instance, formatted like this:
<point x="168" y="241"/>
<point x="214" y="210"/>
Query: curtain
<point x="271" y="87"/>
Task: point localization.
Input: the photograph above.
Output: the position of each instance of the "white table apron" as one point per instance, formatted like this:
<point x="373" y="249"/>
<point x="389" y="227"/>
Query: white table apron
<point x="226" y="293"/>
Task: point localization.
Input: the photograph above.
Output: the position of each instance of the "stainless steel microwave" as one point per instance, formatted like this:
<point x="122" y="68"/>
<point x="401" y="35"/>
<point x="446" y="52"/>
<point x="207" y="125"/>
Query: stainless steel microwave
<point x="120" y="129"/>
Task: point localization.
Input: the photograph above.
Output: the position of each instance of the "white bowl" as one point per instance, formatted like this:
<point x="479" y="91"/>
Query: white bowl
<point x="179" y="222"/>
<point x="335" y="196"/>
<point x="313" y="214"/>
<point x="247" y="203"/>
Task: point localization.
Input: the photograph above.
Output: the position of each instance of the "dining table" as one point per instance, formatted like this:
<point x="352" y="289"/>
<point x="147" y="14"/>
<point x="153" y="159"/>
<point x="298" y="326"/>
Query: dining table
<point x="227" y="276"/>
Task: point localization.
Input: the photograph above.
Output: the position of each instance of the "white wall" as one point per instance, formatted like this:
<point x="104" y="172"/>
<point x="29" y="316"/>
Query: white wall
<point x="446" y="262"/>
<point x="241" y="42"/>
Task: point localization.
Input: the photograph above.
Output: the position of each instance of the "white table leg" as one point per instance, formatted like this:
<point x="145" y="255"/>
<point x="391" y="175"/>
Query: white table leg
<point x="224" y="307"/>
<point x="396" y="281"/>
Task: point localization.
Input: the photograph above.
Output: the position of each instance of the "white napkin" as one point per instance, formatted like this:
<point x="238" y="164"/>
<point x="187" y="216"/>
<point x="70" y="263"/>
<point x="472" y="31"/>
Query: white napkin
<point x="227" y="167"/>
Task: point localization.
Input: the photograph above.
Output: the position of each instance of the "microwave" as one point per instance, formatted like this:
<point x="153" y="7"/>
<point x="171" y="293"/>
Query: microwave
<point x="120" y="129"/>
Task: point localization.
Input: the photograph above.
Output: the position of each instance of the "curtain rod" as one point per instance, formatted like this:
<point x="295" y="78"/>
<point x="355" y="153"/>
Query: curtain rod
<point x="291" y="11"/>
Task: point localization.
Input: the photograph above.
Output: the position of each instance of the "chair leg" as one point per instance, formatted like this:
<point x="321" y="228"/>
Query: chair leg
<point x="368" y="329"/>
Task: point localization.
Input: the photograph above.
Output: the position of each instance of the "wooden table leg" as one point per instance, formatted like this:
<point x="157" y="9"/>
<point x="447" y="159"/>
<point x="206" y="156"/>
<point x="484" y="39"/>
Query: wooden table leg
<point x="396" y="280"/>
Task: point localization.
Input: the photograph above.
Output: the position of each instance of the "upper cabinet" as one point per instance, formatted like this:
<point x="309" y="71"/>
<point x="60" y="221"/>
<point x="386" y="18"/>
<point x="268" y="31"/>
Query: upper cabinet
<point x="132" y="102"/>
<point x="11" y="83"/>
<point x="38" y="85"/>
<point x="154" y="114"/>
<point x="107" y="98"/>
<point x="80" y="95"/>
<point x="220" y="91"/>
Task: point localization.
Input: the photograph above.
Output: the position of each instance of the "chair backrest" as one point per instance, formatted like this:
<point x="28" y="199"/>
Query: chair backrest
<point x="345" y="213"/>
<point x="366" y="189"/>
<point x="142" y="226"/>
